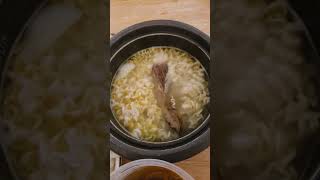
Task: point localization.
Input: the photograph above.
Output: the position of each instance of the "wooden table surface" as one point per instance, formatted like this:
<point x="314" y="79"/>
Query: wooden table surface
<point x="125" y="13"/>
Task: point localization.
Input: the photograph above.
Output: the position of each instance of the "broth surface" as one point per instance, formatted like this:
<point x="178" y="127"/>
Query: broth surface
<point x="135" y="103"/>
<point x="53" y="101"/>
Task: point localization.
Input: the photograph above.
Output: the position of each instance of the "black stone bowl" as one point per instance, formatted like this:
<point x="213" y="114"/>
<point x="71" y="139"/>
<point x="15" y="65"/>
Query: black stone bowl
<point x="152" y="34"/>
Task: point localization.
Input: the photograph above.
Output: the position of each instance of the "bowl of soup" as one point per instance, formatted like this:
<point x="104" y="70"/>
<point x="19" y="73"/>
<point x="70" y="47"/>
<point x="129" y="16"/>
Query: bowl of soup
<point x="52" y="89"/>
<point x="159" y="92"/>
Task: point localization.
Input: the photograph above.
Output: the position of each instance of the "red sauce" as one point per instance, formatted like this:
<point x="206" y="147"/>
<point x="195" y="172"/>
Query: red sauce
<point x="153" y="173"/>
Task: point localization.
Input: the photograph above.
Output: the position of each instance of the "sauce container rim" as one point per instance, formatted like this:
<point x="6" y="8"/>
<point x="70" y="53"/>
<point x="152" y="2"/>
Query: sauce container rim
<point x="130" y="167"/>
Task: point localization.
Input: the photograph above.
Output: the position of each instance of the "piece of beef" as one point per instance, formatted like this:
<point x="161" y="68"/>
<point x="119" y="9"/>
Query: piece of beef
<point x="159" y="73"/>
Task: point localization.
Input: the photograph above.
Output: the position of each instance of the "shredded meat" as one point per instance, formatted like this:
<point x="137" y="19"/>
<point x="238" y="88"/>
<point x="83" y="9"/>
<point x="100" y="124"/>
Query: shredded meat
<point x="159" y="73"/>
<point x="167" y="105"/>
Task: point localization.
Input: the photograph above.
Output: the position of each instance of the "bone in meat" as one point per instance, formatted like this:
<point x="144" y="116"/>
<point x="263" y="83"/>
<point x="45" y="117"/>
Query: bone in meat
<point x="159" y="73"/>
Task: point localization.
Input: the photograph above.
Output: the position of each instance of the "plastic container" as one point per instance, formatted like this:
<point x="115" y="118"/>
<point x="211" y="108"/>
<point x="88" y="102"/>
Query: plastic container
<point x="131" y="167"/>
<point x="115" y="161"/>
